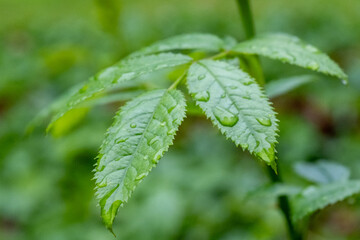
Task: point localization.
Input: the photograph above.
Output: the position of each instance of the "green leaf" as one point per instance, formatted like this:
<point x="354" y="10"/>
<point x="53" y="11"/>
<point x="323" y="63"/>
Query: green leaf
<point x="54" y="107"/>
<point x="322" y="171"/>
<point x="236" y="105"/>
<point x="194" y="41"/>
<point x="292" y="50"/>
<point x="119" y="74"/>
<point x="316" y="198"/>
<point x="279" y="87"/>
<point x="271" y="192"/>
<point x="114" y="97"/>
<point x="142" y="131"/>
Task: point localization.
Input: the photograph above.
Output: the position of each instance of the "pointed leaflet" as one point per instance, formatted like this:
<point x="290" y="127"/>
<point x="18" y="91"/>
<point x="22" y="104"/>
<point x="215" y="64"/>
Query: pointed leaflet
<point x="120" y="73"/>
<point x="290" y="49"/>
<point x="284" y="85"/>
<point x="142" y="131"/>
<point x="322" y="171"/>
<point x="316" y="198"/>
<point x="236" y="105"/>
<point x="194" y="41"/>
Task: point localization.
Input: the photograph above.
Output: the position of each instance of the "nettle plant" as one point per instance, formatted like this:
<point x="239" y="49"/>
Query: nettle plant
<point x="224" y="79"/>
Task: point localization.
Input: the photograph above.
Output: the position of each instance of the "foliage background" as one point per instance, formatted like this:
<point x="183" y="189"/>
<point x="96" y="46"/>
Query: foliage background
<point x="199" y="189"/>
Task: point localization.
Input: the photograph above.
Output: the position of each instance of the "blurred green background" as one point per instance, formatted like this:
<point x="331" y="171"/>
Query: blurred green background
<point x="199" y="189"/>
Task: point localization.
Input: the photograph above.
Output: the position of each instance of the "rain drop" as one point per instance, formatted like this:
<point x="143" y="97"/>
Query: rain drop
<point x="83" y="89"/>
<point x="264" y="121"/>
<point x="121" y="140"/>
<point x="157" y="157"/>
<point x="201" y="76"/>
<point x="225" y="117"/>
<point x="248" y="83"/>
<point x="202" y="96"/>
<point x="133" y="125"/>
<point x="154" y="140"/>
<point x="171" y="132"/>
<point x="313" y="65"/>
<point x="141" y="176"/>
<point x="311" y="49"/>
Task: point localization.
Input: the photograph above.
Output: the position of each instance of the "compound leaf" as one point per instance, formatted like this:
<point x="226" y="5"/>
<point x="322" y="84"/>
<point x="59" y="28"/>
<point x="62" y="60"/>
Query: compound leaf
<point x="194" y="41"/>
<point x="236" y="105"/>
<point x="118" y="74"/>
<point x="142" y="131"/>
<point x="292" y="50"/>
<point x="316" y="198"/>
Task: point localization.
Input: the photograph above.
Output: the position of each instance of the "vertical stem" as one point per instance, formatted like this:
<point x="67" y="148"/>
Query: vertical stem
<point x="247" y="19"/>
<point x="249" y="28"/>
<point x="284" y="205"/>
<point x="256" y="70"/>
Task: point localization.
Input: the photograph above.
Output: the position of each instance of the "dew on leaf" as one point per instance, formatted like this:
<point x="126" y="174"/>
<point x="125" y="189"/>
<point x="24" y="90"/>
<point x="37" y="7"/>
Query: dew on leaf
<point x="311" y="48"/>
<point x="201" y="76"/>
<point x="248" y="83"/>
<point x="225" y="117"/>
<point x="125" y="76"/>
<point x="83" y="89"/>
<point x="141" y="176"/>
<point x="133" y="125"/>
<point x="313" y="65"/>
<point x="202" y="96"/>
<point x="264" y="121"/>
<point x="154" y="140"/>
<point x="121" y="140"/>
<point x="171" y="132"/>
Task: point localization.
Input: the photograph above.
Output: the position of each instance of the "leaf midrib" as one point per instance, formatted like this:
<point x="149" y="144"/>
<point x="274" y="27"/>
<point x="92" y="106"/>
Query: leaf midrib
<point x="229" y="95"/>
<point x="140" y="140"/>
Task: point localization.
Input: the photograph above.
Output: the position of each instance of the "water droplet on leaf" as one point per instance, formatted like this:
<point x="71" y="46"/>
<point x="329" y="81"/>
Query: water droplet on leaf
<point x="248" y="83"/>
<point x="225" y="117"/>
<point x="154" y="140"/>
<point x="202" y="96"/>
<point x="83" y="89"/>
<point x="314" y="66"/>
<point x="141" y="176"/>
<point x="171" y="132"/>
<point x="121" y="140"/>
<point x="264" y="121"/>
<point x="311" y="49"/>
<point x="133" y="125"/>
<point x="201" y="76"/>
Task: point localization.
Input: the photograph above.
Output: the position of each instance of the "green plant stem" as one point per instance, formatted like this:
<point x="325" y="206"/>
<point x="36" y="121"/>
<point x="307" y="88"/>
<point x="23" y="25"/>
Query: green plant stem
<point x="285" y="207"/>
<point x="249" y="28"/>
<point x="177" y="81"/>
<point x="247" y="19"/>
<point x="256" y="70"/>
